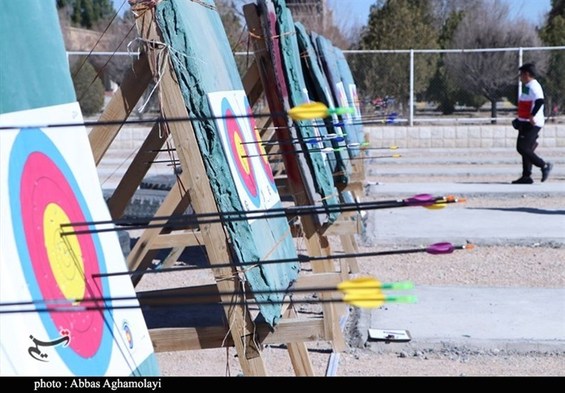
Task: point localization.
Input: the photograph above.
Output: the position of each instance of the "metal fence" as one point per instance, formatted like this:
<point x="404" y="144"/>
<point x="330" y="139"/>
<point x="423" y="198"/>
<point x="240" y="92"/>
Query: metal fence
<point x="402" y="89"/>
<point x="402" y="96"/>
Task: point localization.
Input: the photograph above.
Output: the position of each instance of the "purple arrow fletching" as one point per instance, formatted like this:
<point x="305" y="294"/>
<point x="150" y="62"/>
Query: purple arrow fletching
<point x="440" y="248"/>
<point x="420" y="200"/>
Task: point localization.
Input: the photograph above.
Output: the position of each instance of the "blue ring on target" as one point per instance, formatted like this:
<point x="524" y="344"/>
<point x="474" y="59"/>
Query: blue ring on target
<point x="27" y="142"/>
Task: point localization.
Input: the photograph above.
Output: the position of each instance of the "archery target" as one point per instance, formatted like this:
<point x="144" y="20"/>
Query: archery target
<point x="240" y="158"/>
<point x="355" y="100"/>
<point x="335" y="118"/>
<point x="246" y="157"/>
<point x="43" y="195"/>
<point x="66" y="324"/>
<point x="260" y="149"/>
<point x="342" y="98"/>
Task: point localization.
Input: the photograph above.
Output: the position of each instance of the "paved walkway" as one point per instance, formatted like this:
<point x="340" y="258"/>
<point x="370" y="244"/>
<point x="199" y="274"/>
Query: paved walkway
<point x="528" y="319"/>
<point x="458" y="223"/>
<point x="519" y="318"/>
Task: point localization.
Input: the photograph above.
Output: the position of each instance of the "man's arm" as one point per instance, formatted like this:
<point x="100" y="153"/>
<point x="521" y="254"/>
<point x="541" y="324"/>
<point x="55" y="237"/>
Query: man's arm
<point x="537" y="105"/>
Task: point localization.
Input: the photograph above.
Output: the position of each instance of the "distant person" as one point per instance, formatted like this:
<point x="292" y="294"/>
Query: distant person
<point x="529" y="123"/>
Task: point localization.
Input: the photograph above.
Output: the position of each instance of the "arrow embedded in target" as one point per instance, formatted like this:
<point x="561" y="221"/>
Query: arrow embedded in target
<point x="366" y="292"/>
<point x="182" y="220"/>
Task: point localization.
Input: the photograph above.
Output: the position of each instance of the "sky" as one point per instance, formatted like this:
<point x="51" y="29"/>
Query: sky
<point x="532" y="10"/>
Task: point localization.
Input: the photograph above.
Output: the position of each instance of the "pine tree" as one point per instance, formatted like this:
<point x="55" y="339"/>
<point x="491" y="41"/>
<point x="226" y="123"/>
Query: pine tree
<point x="88" y="87"/>
<point x="397" y="24"/>
<point x="553" y="34"/>
<point x="86" y="13"/>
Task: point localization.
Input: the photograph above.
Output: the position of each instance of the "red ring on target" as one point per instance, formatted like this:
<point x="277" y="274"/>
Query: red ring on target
<point x="43" y="194"/>
<point x="239" y="151"/>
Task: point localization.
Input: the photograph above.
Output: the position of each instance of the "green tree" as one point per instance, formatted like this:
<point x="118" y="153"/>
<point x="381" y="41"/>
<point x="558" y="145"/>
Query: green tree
<point x="442" y="89"/>
<point x="88" y="87"/>
<point x="118" y="34"/>
<point x="553" y="34"/>
<point x="490" y="74"/>
<point x="232" y="18"/>
<point x="87" y="13"/>
<point x="396" y="24"/>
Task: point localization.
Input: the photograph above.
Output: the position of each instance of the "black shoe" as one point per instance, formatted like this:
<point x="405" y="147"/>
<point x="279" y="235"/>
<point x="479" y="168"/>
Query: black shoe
<point x="545" y="171"/>
<point x="523" y="180"/>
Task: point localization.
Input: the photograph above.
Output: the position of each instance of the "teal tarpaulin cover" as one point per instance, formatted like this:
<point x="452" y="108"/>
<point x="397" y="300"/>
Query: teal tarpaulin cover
<point x="211" y="86"/>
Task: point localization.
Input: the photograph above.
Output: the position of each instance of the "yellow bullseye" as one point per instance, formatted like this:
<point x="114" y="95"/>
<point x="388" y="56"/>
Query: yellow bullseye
<point x="64" y="253"/>
<point x="262" y="150"/>
<point x="241" y="152"/>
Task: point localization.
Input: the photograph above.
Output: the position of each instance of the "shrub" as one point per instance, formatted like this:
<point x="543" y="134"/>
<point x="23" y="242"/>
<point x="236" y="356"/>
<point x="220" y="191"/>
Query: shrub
<point x="89" y="88"/>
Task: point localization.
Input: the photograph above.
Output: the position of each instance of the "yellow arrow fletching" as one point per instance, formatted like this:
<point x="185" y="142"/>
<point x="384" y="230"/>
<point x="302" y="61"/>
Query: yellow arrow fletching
<point x="309" y="111"/>
<point x="440" y="204"/>
<point x="364" y="303"/>
<point x="359" y="283"/>
<point x="373" y="299"/>
<point x="365" y="298"/>
<point x="435" y="206"/>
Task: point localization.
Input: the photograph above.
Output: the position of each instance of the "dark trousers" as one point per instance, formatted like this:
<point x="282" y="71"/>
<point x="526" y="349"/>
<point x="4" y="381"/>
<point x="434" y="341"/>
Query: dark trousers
<point x="525" y="145"/>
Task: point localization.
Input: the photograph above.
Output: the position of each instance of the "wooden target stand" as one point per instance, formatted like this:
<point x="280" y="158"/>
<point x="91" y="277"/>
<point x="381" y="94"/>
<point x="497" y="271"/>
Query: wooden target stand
<point x="349" y="223"/>
<point x="237" y="328"/>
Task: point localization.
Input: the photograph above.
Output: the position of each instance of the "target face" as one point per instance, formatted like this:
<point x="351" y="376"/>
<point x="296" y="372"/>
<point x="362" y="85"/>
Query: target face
<point x="63" y="318"/>
<point x="355" y="98"/>
<point x="240" y="156"/>
<point x="43" y="195"/>
<point x="246" y="156"/>
<point x="342" y="98"/>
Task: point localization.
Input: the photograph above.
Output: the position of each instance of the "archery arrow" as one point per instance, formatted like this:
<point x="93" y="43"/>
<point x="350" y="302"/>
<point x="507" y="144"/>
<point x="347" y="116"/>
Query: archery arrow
<point x="363" y="300"/>
<point x="351" y="158"/>
<point x="310" y="140"/>
<point x="326" y="150"/>
<point x="179" y="221"/>
<point x="316" y="110"/>
<point x="371" y="157"/>
<point x="434" y="249"/>
<point x="361" y="292"/>
<point x="308" y="111"/>
<point x="173" y="162"/>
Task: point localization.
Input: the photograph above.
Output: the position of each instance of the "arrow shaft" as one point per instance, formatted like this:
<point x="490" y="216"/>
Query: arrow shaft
<point x="185" y="220"/>
<point x="300" y="259"/>
<point x="97" y="308"/>
<point x="68" y="303"/>
<point x="416" y="200"/>
<point x="312" y="139"/>
<point x="324" y="150"/>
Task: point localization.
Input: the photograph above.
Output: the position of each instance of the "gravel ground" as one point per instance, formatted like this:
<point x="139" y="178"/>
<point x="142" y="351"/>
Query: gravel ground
<point x="496" y="266"/>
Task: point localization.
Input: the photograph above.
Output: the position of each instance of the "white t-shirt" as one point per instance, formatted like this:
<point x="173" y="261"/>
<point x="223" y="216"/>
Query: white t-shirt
<point x="531" y="91"/>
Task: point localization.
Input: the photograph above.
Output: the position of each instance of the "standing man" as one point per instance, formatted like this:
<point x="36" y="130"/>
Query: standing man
<point x="530" y="121"/>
